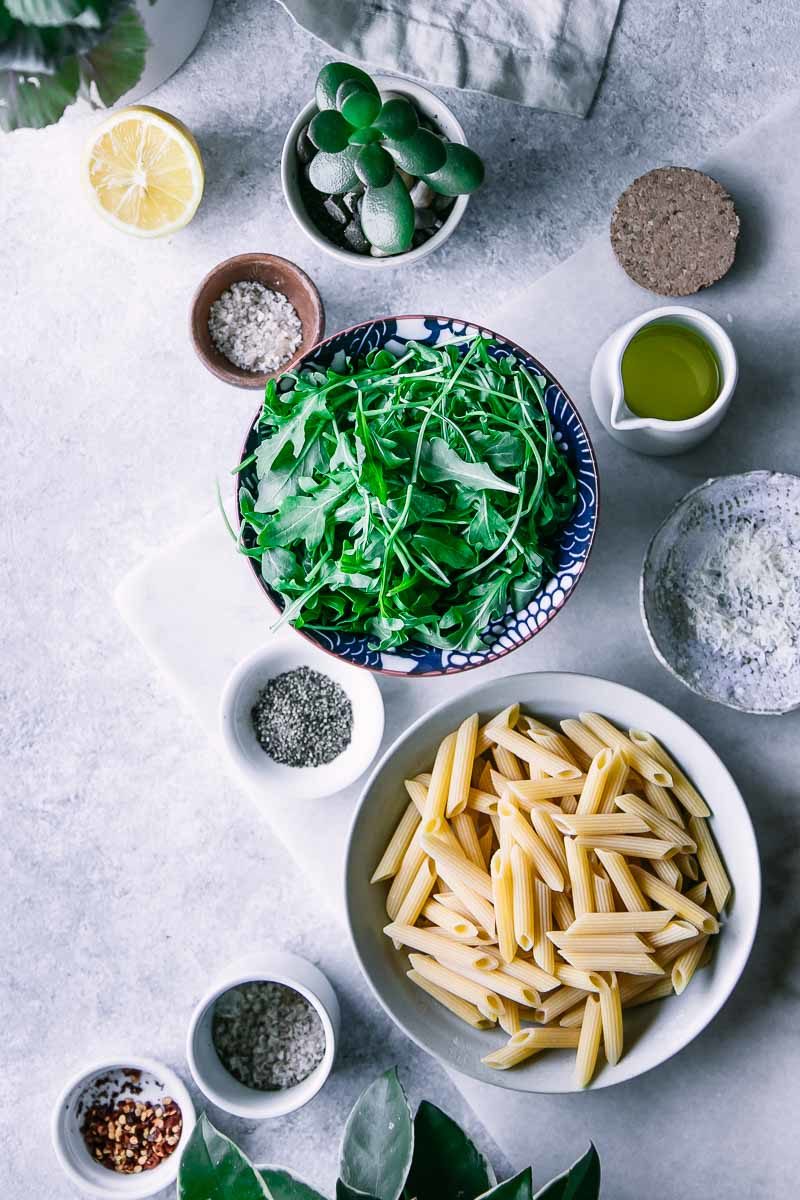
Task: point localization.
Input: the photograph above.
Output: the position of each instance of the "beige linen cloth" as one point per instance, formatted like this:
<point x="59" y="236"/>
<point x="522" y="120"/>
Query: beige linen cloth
<point x="544" y="53"/>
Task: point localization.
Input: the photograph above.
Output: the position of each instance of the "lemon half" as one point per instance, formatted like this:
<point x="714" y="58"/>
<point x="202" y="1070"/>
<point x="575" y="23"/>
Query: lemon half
<point x="144" y="172"/>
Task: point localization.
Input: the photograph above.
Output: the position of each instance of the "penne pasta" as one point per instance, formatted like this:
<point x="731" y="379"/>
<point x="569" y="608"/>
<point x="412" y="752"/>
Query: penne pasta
<point x="506" y="986"/>
<point x="466" y="835"/>
<point x="591" y="795"/>
<point x="563" y="912"/>
<point x="698" y="893"/>
<point x="660" y="825"/>
<point x="617" y="780"/>
<point x="544" y="825"/>
<point x="607" y="943"/>
<point x="438" y="788"/>
<point x="628" y="844"/>
<point x="603" y="893"/>
<point x="681" y="905"/>
<point x="445" y="851"/>
<point x="523" y="906"/>
<point x="510" y="1021"/>
<point x="666" y="870"/>
<point x="399" y="842"/>
<point x="558" y="1002"/>
<point x="655" y="991"/>
<point x="634" y="755"/>
<point x="460" y="1008"/>
<point x="687" y="865"/>
<point x="528" y="792"/>
<point x="503" y="899"/>
<point x="507" y="763"/>
<point x="569" y="804"/>
<point x="622" y="922"/>
<point x="686" y="964"/>
<point x="417" y="895"/>
<point x="485" y="1000"/>
<point x="600" y="823"/>
<point x="523" y="834"/>
<point x="544" y="954"/>
<point x="508" y="717"/>
<point x="673" y="931"/>
<point x="461" y="770"/>
<point x="486" y="841"/>
<point x="482" y="801"/>
<point x="660" y="799"/>
<point x="527" y="972"/>
<point x="447" y="951"/>
<point x="580" y="876"/>
<point x="597" y="961"/>
<point x="621" y="876"/>
<point x="683" y="790"/>
<point x="477" y="907"/>
<point x="611" y="1020"/>
<point x="667" y="954"/>
<point x="412" y="861"/>
<point x="454" y="923"/>
<point x="710" y="863"/>
<point x="588" y="1042"/>
<point x="528" y="1042"/>
<point x="587" y="981"/>
<point x="528" y="751"/>
<point x="418" y="791"/>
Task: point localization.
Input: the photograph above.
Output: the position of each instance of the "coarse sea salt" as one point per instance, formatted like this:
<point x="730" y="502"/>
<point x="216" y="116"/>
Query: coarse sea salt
<point x="255" y="328"/>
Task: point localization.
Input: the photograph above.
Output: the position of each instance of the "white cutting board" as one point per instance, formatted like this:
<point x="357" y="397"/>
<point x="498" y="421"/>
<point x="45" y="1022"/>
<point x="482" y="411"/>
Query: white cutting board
<point x="562" y="318"/>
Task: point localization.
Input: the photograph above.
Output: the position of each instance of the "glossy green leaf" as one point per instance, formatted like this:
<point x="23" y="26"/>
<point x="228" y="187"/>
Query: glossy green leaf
<point x="461" y="172"/>
<point x="88" y="13"/>
<point x="446" y="1163"/>
<point x="378" y="1141"/>
<point x="283" y="1185"/>
<point x="359" y="108"/>
<point x="343" y="1192"/>
<point x="303" y="518"/>
<point x="441" y="462"/>
<point x="418" y="154"/>
<point x="32" y="101"/>
<point x="116" y="63"/>
<point x="374" y="166"/>
<point x="518" y="1188"/>
<point x="214" y="1168"/>
<point x="387" y="216"/>
<point x="365" y="137"/>
<point x="397" y="118"/>
<point x="334" y="173"/>
<point x="292" y="432"/>
<point x="329" y="131"/>
<point x="332" y="75"/>
<point x="580" y="1182"/>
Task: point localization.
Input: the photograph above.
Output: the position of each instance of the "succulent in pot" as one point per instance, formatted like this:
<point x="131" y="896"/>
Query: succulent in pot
<point x="378" y="178"/>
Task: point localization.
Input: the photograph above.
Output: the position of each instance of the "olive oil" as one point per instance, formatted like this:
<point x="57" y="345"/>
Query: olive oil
<point x="669" y="372"/>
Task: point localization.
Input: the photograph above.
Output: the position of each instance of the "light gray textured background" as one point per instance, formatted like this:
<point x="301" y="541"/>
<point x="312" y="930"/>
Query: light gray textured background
<point x="131" y="868"/>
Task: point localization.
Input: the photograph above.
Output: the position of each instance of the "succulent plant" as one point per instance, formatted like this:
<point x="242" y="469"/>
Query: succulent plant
<point x="52" y="51"/>
<point x="364" y="141"/>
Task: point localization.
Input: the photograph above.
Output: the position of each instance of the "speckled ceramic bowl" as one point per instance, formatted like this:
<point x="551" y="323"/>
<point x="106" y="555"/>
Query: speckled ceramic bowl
<point x="695" y="537"/>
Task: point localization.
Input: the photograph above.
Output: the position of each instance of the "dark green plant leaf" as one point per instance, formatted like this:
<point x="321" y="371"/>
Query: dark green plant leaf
<point x="440" y="462"/>
<point x="334" y="173"/>
<point x="374" y="166"/>
<point x="387" y="216"/>
<point x="332" y="75"/>
<point x="116" y="63"/>
<point x="461" y="172"/>
<point x="501" y="448"/>
<point x="6" y="23"/>
<point x="446" y="1162"/>
<point x="32" y="101"/>
<point x="378" y="1141"/>
<point x="214" y="1168"/>
<point x="518" y="1188"/>
<point x="283" y="481"/>
<point x="283" y="1185"/>
<point x="580" y="1182"/>
<point x="329" y="131"/>
<point x="397" y="119"/>
<point x="359" y="108"/>
<point x="292" y="432"/>
<point x="89" y="13"/>
<point x="365" y="137"/>
<point x="303" y="518"/>
<point x="343" y="1192"/>
<point x="444" y="548"/>
<point x="419" y="154"/>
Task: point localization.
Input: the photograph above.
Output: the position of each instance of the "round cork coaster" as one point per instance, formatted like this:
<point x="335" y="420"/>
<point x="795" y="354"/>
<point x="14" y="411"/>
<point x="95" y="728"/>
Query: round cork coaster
<point x="674" y="231"/>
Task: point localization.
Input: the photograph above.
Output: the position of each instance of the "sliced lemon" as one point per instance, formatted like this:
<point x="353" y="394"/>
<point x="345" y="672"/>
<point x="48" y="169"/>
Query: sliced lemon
<point x="144" y="171"/>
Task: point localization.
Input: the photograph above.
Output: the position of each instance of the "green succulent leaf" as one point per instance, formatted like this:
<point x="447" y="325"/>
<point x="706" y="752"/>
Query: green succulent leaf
<point x="374" y="166"/>
<point x="343" y="1192"/>
<point x="397" y="119"/>
<point x="419" y="154"/>
<point x="332" y="75"/>
<point x="329" y="131"/>
<point x="378" y="1141"/>
<point x="358" y="106"/>
<point x="116" y="63"/>
<point x="283" y="1185"/>
<point x="214" y="1168"/>
<point x="462" y="172"/>
<point x="518" y="1188"/>
<point x="88" y="13"/>
<point x="580" y="1182"/>
<point x="446" y="1162"/>
<point x="32" y="101"/>
<point x="387" y="216"/>
<point x="334" y="173"/>
<point x="365" y="137"/>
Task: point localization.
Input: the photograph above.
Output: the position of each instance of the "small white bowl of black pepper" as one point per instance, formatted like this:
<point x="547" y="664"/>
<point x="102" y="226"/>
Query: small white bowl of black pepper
<point x="299" y="724"/>
<point x="262" y="1041"/>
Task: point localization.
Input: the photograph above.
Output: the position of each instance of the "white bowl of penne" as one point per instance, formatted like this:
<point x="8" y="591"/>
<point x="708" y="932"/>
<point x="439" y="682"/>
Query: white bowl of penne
<point x="526" y="875"/>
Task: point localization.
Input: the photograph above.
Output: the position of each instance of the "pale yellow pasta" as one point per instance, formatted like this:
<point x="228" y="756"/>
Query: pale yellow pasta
<point x="508" y="717"/>
<point x="509" y="1021"/>
<point x="581" y="737"/>
<point x="611" y="1019"/>
<point x="656" y="991"/>
<point x="603" y="893"/>
<point x="528" y="791"/>
<point x="457" y="925"/>
<point x="630" y="964"/>
<point x="507" y="763"/>
<point x="477" y="907"/>
<point x="506" y="986"/>
<point x="622" y="922"/>
<point x="607" y="943"/>
<point x="666" y="870"/>
<point x="617" y="779"/>
<point x="683" y="790"/>
<point x="563" y="912"/>
<point x="629" y="845"/>
<point x="569" y="804"/>
<point x="662" y="801"/>
<point x="687" y="865"/>
<point x="485" y="777"/>
<point x="600" y="824"/>
<point x="591" y="795"/>
<point x="647" y="766"/>
<point x="660" y="825"/>
<point x="556" y="743"/>
<point x="417" y="895"/>
<point x="528" y="751"/>
<point x="528" y="972"/>
<point x="580" y="876"/>
<point x="681" y="905"/>
<point x="445" y="949"/>
<point x="587" y="981"/>
<point x="710" y="863"/>
<point x="668" y="954"/>
<point x="588" y="1042"/>
<point x="544" y="953"/>
<point x="523" y="833"/>
<point x="486" y="841"/>
<point x="482" y="801"/>
<point x="450" y="900"/>
<point x="447" y="853"/>
<point x="487" y="1002"/>
<point x="674" y="931"/>
<point x="698" y="893"/>
<point x="438" y="788"/>
<point x="686" y="964"/>
<point x="418" y="791"/>
<point x="460" y="1008"/>
<point x="629" y="891"/>
<point x="503" y="900"/>
<point x="528" y="1042"/>
<point x="524" y="918"/>
<point x="546" y="829"/>
<point x="461" y="769"/>
<point x="558" y="1002"/>
<point x="412" y="861"/>
<point x="466" y="835"/>
<point x="399" y="842"/>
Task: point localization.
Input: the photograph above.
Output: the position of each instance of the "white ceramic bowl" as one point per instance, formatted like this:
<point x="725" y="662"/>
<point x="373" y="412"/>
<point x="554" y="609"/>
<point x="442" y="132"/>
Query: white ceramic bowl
<point x="82" y="1171"/>
<point x="299" y="783"/>
<point x="653" y="1032"/>
<point x="444" y="121"/>
<point x="219" y="1085"/>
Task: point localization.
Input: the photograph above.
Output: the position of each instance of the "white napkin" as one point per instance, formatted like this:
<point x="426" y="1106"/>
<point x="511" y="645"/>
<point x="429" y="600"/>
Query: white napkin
<point x="544" y="53"/>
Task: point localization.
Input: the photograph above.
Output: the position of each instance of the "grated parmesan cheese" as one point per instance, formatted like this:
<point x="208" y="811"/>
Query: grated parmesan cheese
<point x="256" y="329"/>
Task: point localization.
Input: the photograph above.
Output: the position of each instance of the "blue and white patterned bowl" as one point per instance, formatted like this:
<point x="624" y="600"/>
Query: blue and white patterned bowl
<point x="574" y="543"/>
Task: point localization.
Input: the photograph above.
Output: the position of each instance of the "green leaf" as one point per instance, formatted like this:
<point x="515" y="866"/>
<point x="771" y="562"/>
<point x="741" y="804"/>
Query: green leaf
<point x="502" y="449"/>
<point x="343" y="1192"/>
<point x="302" y="518"/>
<point x="446" y="1163"/>
<point x="286" y="480"/>
<point x="365" y="137"/>
<point x="374" y="166"/>
<point x="329" y="131"/>
<point x="387" y="216"/>
<point x="378" y="1141"/>
<point x="116" y="63"/>
<point x="461" y="172"/>
<point x="291" y="433"/>
<point x="358" y="106"/>
<point x="441" y="462"/>
<point x="214" y="1168"/>
<point x="397" y="119"/>
<point x="283" y="1185"/>
<point x="418" y="154"/>
<point x="580" y="1182"/>
<point x="334" y="173"/>
<point x="443" y="547"/>
<point x="88" y="13"/>
<point x="334" y="74"/>
<point x="518" y="1188"/>
<point x="278" y="566"/>
<point x="32" y="101"/>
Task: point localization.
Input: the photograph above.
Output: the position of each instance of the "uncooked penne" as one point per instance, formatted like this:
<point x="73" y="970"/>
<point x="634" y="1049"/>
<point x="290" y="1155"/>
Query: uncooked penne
<point x="477" y="907"/>
<point x="457" y="925"/>
<point x="608" y="943"/>
<point x="523" y="833"/>
<point x="603" y="892"/>
<point x="444" y="949"/>
<point x="588" y="1042"/>
<point x="629" y="845"/>
<point x="529" y="791"/>
<point x="506" y="985"/>
<point x="617" y="779"/>
<point x="508" y="717"/>
<point x="438" y="788"/>
<point x="681" y="905"/>
<point x="418" y="791"/>
<point x="682" y="788"/>
<point x="528" y="751"/>
<point x="466" y="835"/>
<point x="710" y="863"/>
<point x="662" y="801"/>
<point x="446" y="852"/>
<point x="655" y="991"/>
<point x="399" y="842"/>
<point x="600" y="823"/>
<point x="622" y="922"/>
<point x="635" y="756"/>
<point x="509" y="1021"/>
<point x="482" y="801"/>
<point x="523" y="899"/>
<point x="417" y="895"/>
<point x="461" y="769"/>
<point x="611" y="1020"/>
<point x="660" y="825"/>
<point x="503" y="900"/>
<point x="557" y="1003"/>
<point x="527" y="972"/>
<point x="544" y="953"/>
<point x="686" y="964"/>
<point x="698" y="893"/>
<point x="544" y="825"/>
<point x="591" y="795"/>
<point x="507" y="763"/>
<point x="687" y="865"/>
<point x="580" y="876"/>
<point x="412" y="861"/>
<point x="673" y="931"/>
<point x="563" y="912"/>
<point x="621" y="876"/>
<point x="487" y="1002"/>
<point x="569" y="804"/>
<point x="629" y="964"/>
<point x="666" y="870"/>
<point x="460" y="1008"/>
<point x="528" y="1042"/>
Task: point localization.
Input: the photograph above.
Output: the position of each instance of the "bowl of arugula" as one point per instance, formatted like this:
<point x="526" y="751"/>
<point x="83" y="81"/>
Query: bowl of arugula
<point x="417" y="495"/>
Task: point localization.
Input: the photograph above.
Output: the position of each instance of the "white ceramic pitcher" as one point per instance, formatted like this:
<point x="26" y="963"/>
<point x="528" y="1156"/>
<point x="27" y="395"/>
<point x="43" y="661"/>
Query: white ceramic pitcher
<point x="649" y="435"/>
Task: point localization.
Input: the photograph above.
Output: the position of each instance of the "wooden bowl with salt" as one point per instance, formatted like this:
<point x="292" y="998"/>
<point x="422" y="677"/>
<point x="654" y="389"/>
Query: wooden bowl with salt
<point x="278" y="275"/>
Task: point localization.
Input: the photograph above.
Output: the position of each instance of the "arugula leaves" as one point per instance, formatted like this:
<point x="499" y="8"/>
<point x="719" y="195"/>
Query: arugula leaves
<point x="405" y="498"/>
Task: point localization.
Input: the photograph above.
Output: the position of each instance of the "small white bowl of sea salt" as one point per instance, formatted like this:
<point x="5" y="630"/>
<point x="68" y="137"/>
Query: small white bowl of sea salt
<point x="262" y="1040"/>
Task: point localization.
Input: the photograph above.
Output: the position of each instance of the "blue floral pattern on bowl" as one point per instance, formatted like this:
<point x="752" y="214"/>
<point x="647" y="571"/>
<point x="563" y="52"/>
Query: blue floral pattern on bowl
<point x="574" y="542"/>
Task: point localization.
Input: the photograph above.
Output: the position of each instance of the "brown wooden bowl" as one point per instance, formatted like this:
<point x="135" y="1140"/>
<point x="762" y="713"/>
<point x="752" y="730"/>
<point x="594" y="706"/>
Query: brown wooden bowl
<point x="275" y="273"/>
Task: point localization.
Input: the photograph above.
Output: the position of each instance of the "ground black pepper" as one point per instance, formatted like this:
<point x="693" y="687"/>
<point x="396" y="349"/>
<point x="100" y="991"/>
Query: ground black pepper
<point x="302" y="718"/>
<point x="267" y="1035"/>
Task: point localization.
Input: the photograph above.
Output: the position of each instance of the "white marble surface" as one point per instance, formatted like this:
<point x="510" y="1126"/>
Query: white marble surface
<point x="130" y="865"/>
